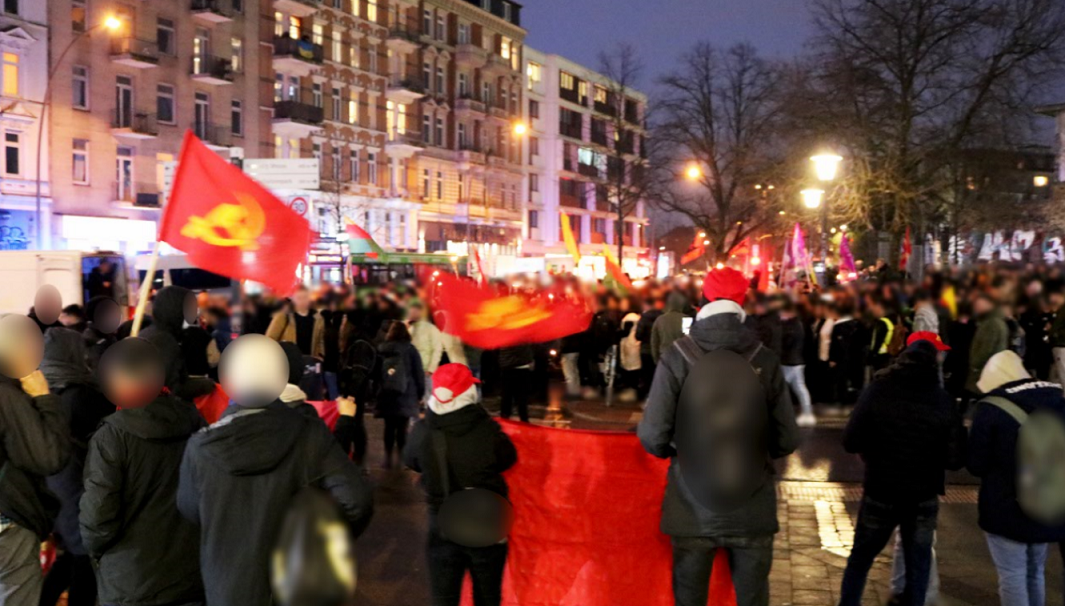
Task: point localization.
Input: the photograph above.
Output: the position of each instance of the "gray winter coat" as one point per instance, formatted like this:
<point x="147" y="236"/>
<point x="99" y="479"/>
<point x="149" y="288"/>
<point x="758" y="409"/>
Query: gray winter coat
<point x="682" y="516"/>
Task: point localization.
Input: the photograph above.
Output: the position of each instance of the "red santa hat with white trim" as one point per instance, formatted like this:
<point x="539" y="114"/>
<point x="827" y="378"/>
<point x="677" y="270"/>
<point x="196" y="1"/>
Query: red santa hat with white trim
<point x="454" y="388"/>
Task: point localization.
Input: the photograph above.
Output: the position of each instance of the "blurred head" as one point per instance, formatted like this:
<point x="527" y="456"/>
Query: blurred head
<point x="47" y="304"/>
<point x="398" y="332"/>
<point x="253" y="370"/>
<point x="131" y="373"/>
<point x="301" y="300"/>
<point x="983" y="305"/>
<point x="21" y="346"/>
<point x="72" y="315"/>
<point x="416" y="311"/>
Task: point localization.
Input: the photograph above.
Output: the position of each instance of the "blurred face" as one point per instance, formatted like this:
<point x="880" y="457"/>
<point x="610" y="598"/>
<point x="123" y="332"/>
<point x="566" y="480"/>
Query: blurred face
<point x="1057" y="299"/>
<point x="301" y="301"/>
<point x="982" y="306"/>
<point x="415" y="313"/>
<point x="68" y="319"/>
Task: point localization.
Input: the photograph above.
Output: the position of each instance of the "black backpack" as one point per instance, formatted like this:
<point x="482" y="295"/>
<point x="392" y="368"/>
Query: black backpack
<point x="722" y="420"/>
<point x="394" y="372"/>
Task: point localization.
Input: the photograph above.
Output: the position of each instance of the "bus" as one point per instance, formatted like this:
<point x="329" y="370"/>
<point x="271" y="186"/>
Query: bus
<point x="372" y="271"/>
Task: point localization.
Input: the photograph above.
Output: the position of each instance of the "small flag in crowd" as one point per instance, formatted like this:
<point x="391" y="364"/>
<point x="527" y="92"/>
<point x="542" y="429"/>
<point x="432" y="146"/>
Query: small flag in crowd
<point x="483" y="317"/>
<point x="846" y="259"/>
<point x="231" y="225"/>
<point x="907" y="250"/>
<point x="360" y="242"/>
<point x="567" y="237"/>
<point x="696" y="251"/>
<point x="613" y="270"/>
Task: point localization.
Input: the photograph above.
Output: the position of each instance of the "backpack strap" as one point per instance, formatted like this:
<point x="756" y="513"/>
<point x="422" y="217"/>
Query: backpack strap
<point x="689" y="349"/>
<point x="439" y="443"/>
<point x="757" y="350"/>
<point x="1008" y="407"/>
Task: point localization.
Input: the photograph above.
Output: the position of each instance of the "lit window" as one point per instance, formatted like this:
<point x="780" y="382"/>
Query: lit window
<point x="318" y="34"/>
<point x="601" y="94"/>
<point x="371" y="11"/>
<point x="11" y="75"/>
<point x="353" y="108"/>
<point x="566" y="81"/>
<point x="337" y="47"/>
<point x="80" y="167"/>
<point x="78" y="12"/>
<point x="279" y="24"/>
<point x="534" y="73"/>
<point x="236" y="61"/>
<point x="295" y="25"/>
<point x="353" y="55"/>
<point x="504" y="47"/>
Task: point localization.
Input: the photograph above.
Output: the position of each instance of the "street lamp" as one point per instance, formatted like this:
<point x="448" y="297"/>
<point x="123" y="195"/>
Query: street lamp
<point x="111" y="24"/>
<point x="693" y="172"/>
<point x="519" y="129"/>
<point x="812" y="197"/>
<point x="826" y="165"/>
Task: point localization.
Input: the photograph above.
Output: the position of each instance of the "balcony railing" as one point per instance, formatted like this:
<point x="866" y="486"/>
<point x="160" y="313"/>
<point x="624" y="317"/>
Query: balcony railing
<point x="400" y="31"/>
<point x="219" y="135"/>
<point x="468" y="103"/>
<point x="141" y="50"/>
<point x="588" y="170"/>
<point x="138" y="194"/>
<point x="406" y="137"/>
<point x="219" y="68"/>
<point x="216" y="7"/>
<point x="607" y="108"/>
<point x="304" y="50"/>
<point x="298" y="112"/>
<point x="137" y="122"/>
<point x="570" y="130"/>
<point x="411" y="84"/>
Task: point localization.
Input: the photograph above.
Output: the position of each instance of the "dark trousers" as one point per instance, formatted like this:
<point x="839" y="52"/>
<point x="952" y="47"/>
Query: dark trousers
<point x="693" y="561"/>
<point x="448" y="564"/>
<point x="71" y="572"/>
<point x="515" y="393"/>
<point x="876" y="523"/>
<point x="647" y="374"/>
<point x="395" y="433"/>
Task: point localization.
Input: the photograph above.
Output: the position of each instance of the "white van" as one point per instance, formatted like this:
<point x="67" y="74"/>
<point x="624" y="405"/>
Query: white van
<point x="175" y="270"/>
<point x="74" y="273"/>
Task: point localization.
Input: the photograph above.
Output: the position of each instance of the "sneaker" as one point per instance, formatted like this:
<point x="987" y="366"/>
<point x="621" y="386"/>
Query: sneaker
<point x="806" y="420"/>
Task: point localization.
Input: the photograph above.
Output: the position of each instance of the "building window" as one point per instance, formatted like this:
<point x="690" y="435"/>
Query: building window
<point x="238" y="5"/>
<point x="439" y="185"/>
<point x="371" y="10"/>
<point x="440" y="30"/>
<point x="440" y="131"/>
<point x="316" y="94"/>
<point x="164" y="103"/>
<point x="353" y="108"/>
<point x="336" y="53"/>
<point x="427" y="74"/>
<point x="440" y="81"/>
<point x="353" y="55"/>
<point x="124" y="174"/>
<point x="427" y="22"/>
<point x="11" y="7"/>
<point x="202" y="115"/>
<point x="566" y="81"/>
<point x="279" y="87"/>
<point x="316" y="152"/>
<point x="534" y="146"/>
<point x="464" y="33"/>
<point x="355" y="7"/>
<point x="425" y="183"/>
<point x="336" y="105"/>
<point x="336" y="164"/>
<point x="486" y="5"/>
<point x="371" y="167"/>
<point x="166" y="36"/>
<point x="534" y="182"/>
<point x="236" y="117"/>
<point x="427" y="127"/>
<point x="601" y="94"/>
<point x="318" y="34"/>
<point x="534" y="219"/>
<point x="292" y="92"/>
<point x="504" y="47"/>
<point x="78" y="13"/>
<point x="372" y="54"/>
<point x="463" y="86"/>
<point x="353" y="165"/>
<point x="80" y="168"/>
<point x="295" y="28"/>
<point x="10" y="74"/>
<point x="534" y="109"/>
<point x="236" y="57"/>
<point x="534" y="73"/>
<point x="462" y="136"/>
<point x="80" y="91"/>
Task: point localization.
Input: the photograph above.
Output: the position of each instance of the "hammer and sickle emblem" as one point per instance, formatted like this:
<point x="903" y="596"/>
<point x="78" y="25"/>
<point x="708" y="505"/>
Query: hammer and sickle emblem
<point x="230" y="225"/>
<point x="508" y="313"/>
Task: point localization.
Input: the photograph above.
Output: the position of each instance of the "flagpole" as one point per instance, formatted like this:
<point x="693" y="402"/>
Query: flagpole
<point x="146" y="289"/>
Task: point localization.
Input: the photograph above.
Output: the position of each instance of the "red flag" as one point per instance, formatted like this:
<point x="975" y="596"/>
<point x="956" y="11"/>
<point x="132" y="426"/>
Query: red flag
<point x="907" y="250"/>
<point x="695" y="251"/>
<point x="485" y="318"/>
<point x="229" y="224"/>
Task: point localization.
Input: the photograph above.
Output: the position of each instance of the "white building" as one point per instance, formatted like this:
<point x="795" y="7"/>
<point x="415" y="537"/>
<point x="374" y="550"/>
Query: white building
<point x="23" y="77"/>
<point x="569" y="113"/>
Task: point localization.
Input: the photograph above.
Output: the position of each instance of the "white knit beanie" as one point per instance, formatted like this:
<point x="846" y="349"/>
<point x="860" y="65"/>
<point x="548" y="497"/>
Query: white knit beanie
<point x="1003" y="367"/>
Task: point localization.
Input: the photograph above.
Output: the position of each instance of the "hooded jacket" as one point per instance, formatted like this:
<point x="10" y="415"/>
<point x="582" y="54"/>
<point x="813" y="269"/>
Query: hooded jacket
<point x="168" y="319"/>
<point x="993" y="458"/>
<point x="148" y="554"/>
<point x="478" y="452"/>
<point x="907" y="430"/>
<point x="237" y="480"/>
<point x="95" y="339"/>
<point x="682" y="515"/>
<point x="669" y="326"/>
<point x="992" y="336"/>
<point x="34" y="443"/>
<point x="68" y="376"/>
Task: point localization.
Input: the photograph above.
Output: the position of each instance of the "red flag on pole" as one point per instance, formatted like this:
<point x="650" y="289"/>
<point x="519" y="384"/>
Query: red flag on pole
<point x="907" y="250"/>
<point x="231" y="225"/>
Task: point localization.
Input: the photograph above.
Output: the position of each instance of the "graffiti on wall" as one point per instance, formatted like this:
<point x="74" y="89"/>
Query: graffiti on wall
<point x="1018" y="246"/>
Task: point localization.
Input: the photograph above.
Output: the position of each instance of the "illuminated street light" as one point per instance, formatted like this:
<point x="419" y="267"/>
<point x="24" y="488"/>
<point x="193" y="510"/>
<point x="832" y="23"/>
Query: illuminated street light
<point x="693" y="172"/>
<point x="706" y="242"/>
<point x="1040" y="180"/>
<point x="812" y="197"/>
<point x="826" y="165"/>
<point x="112" y="23"/>
<point x="520" y="128"/>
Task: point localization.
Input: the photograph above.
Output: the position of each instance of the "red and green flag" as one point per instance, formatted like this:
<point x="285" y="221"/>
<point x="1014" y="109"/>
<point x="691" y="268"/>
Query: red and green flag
<point x="620" y="281"/>
<point x="360" y="242"/>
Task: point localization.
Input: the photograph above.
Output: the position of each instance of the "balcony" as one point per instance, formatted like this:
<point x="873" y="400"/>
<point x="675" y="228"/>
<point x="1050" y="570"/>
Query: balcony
<point x="405" y="90"/>
<point x="572" y="131"/>
<point x="297" y="8"/>
<point x="299" y="119"/>
<point x="212" y="70"/>
<point x="403" y="143"/>
<point x="139" y="195"/>
<point x="498" y="112"/>
<point x="471" y="54"/>
<point x="134" y="125"/>
<point x="469" y="104"/>
<point x="497" y="64"/>
<point x="588" y="170"/>
<point x="212" y="12"/>
<point x="599" y="137"/>
<point x="403" y="38"/>
<point x="606" y="108"/>
<point x="132" y="52"/>
<point x="215" y="136"/>
<point x="299" y="57"/>
<point x="469" y="154"/>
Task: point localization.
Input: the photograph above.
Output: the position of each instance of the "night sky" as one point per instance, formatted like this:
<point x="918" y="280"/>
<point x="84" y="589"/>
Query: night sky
<point x="663" y="29"/>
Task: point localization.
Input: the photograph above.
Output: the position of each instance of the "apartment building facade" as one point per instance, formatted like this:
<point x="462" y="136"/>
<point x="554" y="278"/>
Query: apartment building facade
<point x="579" y="127"/>
<point x="23" y="78"/>
<point x="123" y="96"/>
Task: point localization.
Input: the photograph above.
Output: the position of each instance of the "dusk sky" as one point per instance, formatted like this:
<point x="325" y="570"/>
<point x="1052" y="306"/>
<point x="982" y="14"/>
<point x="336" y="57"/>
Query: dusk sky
<point x="663" y="29"/>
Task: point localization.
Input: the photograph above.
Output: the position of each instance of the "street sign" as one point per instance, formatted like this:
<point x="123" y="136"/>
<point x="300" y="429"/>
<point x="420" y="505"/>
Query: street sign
<point x="272" y="173"/>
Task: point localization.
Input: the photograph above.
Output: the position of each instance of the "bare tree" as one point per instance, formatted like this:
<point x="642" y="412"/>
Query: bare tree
<point x="905" y="86"/>
<point x="721" y="112"/>
<point x="628" y="180"/>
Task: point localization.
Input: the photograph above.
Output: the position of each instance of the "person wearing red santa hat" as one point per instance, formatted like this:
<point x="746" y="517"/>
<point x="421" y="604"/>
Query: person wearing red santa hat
<point x="477" y="453"/>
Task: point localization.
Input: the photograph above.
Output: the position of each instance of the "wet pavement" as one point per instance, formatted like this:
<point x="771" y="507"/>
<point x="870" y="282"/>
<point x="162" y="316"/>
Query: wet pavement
<point x="820" y="489"/>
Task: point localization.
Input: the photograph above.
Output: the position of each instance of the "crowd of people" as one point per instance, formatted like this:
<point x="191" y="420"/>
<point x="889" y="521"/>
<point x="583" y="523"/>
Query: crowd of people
<point x="727" y="376"/>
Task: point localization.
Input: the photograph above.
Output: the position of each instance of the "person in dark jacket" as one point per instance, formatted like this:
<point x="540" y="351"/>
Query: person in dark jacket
<point x="478" y="452"/>
<point x="65" y="367"/>
<point x="908" y="432"/>
<point x="131" y="479"/>
<point x="516" y="365"/>
<point x="172" y="307"/>
<point x="346" y="431"/>
<point x="104" y="317"/>
<point x="669" y="326"/>
<point x="398" y="406"/>
<point x="793" y="363"/>
<point x="238" y="478"/>
<point x="697" y="530"/>
<point x="846" y="355"/>
<point x="34" y="443"/>
<point x="655" y="307"/>
<point x="992" y="336"/>
<point x="1019" y="545"/>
